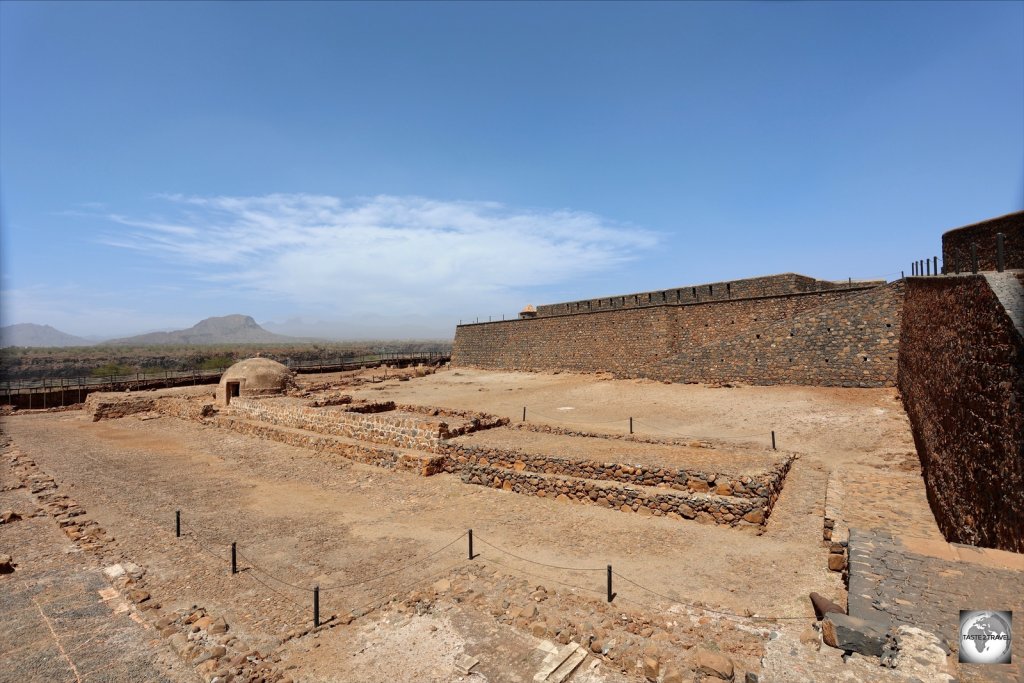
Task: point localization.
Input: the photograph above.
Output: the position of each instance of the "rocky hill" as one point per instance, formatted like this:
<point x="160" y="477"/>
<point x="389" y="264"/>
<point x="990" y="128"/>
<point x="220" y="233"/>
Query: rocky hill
<point x="227" y="329"/>
<point x="30" y="334"/>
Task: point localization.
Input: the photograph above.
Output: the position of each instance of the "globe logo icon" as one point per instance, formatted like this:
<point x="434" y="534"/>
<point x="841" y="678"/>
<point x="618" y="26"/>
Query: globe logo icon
<point x="985" y="637"/>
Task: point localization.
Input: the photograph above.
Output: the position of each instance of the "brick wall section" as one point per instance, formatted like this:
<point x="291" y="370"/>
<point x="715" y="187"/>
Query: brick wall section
<point x="852" y="342"/>
<point x="961" y="374"/>
<point x="769" y="285"/>
<point x="956" y="244"/>
<point x="832" y="332"/>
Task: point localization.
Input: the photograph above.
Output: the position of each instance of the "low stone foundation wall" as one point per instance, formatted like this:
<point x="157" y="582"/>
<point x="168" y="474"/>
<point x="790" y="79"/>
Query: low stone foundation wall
<point x="379" y="457"/>
<point x="110" y="406"/>
<point x="184" y="408"/>
<point x="707" y="508"/>
<point x="475" y="420"/>
<point x="763" y="486"/>
<point x="383" y="427"/>
<point x="564" y="431"/>
<point x="677" y="492"/>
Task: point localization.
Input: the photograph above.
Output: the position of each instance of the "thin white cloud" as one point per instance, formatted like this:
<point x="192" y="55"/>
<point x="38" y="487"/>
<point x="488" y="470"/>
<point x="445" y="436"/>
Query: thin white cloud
<point x="386" y="254"/>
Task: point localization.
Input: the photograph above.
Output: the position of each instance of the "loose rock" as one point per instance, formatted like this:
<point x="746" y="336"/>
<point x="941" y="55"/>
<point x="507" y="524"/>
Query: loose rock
<point x="714" y="664"/>
<point x="854" y="635"/>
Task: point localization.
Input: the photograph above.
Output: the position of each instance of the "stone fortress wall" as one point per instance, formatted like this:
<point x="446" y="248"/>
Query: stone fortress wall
<point x="771" y="285"/>
<point x="961" y="376"/>
<point x="953" y="344"/>
<point x="956" y="244"/>
<point x="784" y="329"/>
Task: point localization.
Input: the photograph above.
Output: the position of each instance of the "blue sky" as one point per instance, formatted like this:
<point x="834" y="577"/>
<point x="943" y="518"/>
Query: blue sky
<point x="389" y="169"/>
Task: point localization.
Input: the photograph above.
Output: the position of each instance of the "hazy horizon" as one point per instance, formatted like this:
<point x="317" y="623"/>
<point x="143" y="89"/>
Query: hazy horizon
<point x="383" y="170"/>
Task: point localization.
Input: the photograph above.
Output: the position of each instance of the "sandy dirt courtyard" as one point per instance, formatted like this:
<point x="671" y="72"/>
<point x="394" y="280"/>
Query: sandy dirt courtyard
<point x="390" y="546"/>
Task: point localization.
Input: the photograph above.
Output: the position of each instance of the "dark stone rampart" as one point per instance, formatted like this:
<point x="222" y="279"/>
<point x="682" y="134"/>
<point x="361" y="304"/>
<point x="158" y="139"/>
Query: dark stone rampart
<point x="849" y="341"/>
<point x="956" y="244"/>
<point x="961" y="374"/>
<point x="832" y="333"/>
<point x="747" y="288"/>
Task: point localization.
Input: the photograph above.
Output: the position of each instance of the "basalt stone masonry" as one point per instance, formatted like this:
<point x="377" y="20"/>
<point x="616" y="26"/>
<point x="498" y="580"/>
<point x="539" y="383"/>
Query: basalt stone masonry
<point x="755" y="287"/>
<point x="834" y="336"/>
<point x="382" y="423"/>
<point x="852" y="341"/>
<point x="961" y="374"/>
<point x="956" y="244"/>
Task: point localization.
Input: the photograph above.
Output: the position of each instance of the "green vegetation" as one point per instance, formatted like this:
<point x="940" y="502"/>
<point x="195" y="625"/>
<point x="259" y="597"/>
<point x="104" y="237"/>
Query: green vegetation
<point x="113" y="369"/>
<point x="25" y="363"/>
<point x="217" y="363"/>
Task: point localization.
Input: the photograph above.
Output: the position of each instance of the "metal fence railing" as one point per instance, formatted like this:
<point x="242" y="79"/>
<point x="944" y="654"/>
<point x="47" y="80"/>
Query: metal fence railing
<point x="208" y="376"/>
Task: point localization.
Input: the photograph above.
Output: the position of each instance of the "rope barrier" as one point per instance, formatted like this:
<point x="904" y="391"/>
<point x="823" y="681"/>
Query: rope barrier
<point x="274" y="590"/>
<point x="561" y="418"/>
<point x="732" y="437"/>
<point x="271" y="576"/>
<point x="699" y="607"/>
<point x="256" y="568"/>
<point x="195" y="539"/>
<point x="546" y="579"/>
<point x="650" y="425"/>
<point x="406" y="587"/>
<point x="433" y="553"/>
<point x="542" y="564"/>
<point x="396" y="571"/>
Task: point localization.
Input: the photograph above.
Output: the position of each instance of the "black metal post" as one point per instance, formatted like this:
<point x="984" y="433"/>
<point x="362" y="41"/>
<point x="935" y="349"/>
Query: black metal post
<point x="928" y="267"/>
<point x="316" y="606"/>
<point x="177" y="523"/>
<point x="234" y="558"/>
<point x="974" y="258"/>
<point x="935" y="265"/>
<point x="610" y="594"/>
<point x="913" y="269"/>
<point x="773" y="440"/>
<point x="630" y="425"/>
<point x="1000" y="251"/>
<point x="524" y="413"/>
<point x="471" y="544"/>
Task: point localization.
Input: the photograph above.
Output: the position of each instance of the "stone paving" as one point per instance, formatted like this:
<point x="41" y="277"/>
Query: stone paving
<point x="892" y="499"/>
<point x="62" y="621"/>
<point x="1007" y="286"/>
<point x="925" y="583"/>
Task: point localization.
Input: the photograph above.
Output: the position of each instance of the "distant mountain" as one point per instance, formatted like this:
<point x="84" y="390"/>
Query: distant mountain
<point x="227" y="329"/>
<point x="30" y="334"/>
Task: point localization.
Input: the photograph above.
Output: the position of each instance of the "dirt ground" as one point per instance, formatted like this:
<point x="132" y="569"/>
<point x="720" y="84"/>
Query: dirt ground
<point x="310" y="519"/>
